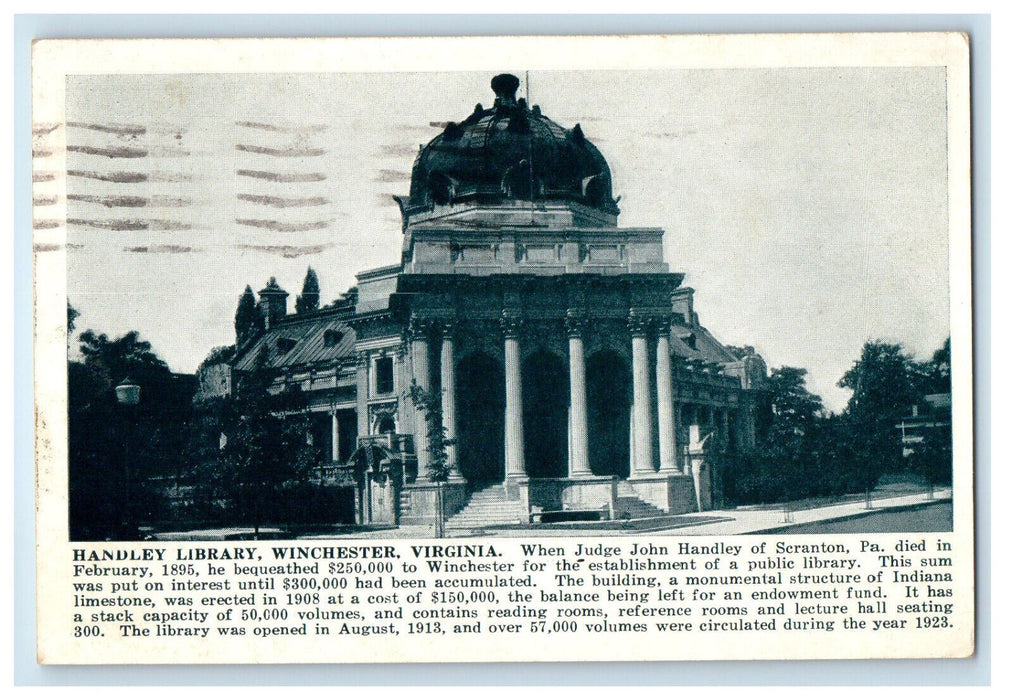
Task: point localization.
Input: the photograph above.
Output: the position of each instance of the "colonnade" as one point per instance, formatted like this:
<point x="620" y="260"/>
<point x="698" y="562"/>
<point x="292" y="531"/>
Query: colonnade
<point x="642" y="327"/>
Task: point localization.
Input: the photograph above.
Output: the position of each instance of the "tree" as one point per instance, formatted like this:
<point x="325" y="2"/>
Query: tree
<point x="266" y="444"/>
<point x="784" y="464"/>
<point x="72" y="316"/>
<point x="883" y="382"/>
<point x="248" y="319"/>
<point x="120" y="357"/>
<point x="430" y="403"/>
<point x="931" y="459"/>
<point x="937" y="372"/>
<point x="97" y="427"/>
<point x="218" y="355"/>
<point x="885" y="385"/>
<point x="794" y="409"/>
<point x="309" y="300"/>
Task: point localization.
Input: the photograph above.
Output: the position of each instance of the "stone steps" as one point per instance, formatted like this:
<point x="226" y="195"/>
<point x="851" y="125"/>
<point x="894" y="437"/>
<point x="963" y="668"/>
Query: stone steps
<point x="487" y="507"/>
<point x="634" y="508"/>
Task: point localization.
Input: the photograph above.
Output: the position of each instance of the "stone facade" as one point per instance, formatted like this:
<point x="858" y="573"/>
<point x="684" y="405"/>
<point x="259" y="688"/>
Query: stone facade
<point x="573" y="370"/>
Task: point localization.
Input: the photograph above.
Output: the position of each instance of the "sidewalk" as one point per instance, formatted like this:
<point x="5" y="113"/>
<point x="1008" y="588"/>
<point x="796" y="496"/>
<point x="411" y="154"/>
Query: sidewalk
<point x="742" y="521"/>
<point x="738" y="521"/>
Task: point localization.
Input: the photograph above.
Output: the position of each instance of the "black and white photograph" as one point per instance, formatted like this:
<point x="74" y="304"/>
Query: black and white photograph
<point x="704" y="301"/>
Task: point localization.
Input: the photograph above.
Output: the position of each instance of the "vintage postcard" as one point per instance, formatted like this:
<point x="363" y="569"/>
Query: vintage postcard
<point x="503" y="349"/>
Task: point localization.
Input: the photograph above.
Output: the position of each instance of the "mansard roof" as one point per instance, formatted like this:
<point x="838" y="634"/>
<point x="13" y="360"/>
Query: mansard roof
<point x="319" y="338"/>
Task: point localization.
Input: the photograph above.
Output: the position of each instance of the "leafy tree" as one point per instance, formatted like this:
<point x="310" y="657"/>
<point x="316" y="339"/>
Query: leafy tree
<point x="937" y="372"/>
<point x="885" y="385"/>
<point x="883" y="382"/>
<point x="794" y="409"/>
<point x="931" y="459"/>
<point x="783" y="465"/>
<point x="309" y="300"/>
<point x="98" y="429"/>
<point x="430" y="403"/>
<point x="740" y="352"/>
<point x="266" y="444"/>
<point x="212" y="488"/>
<point x="218" y="355"/>
<point x="72" y="316"/>
<point x="348" y="298"/>
<point x="248" y="319"/>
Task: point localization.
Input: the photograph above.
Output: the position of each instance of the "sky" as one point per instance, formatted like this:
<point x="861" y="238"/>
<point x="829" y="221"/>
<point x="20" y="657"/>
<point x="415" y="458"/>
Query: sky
<point x="806" y="207"/>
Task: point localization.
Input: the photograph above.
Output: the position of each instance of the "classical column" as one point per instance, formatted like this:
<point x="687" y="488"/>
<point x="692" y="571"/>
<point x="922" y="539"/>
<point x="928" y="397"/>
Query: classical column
<point x="665" y="400"/>
<point x="449" y="386"/>
<point x="643" y="462"/>
<point x="514" y="398"/>
<point x="418" y="335"/>
<point x="362" y="393"/>
<point x="579" y="464"/>
<point x="335" y="437"/>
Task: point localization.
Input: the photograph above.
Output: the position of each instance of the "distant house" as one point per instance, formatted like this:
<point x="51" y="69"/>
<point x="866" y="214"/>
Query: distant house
<point x="932" y="414"/>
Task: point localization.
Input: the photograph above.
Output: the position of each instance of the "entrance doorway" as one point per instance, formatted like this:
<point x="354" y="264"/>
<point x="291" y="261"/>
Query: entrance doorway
<point x="481" y="411"/>
<point x="546" y="415"/>
<point x="609" y="397"/>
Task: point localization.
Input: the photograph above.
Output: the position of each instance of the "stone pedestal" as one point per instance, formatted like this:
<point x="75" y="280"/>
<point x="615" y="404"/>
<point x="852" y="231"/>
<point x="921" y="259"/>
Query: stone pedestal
<point x="419" y="501"/>
<point x="672" y="493"/>
<point x="597" y="493"/>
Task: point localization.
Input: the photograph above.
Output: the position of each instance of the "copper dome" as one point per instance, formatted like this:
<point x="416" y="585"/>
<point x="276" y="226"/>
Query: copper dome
<point x="507" y="153"/>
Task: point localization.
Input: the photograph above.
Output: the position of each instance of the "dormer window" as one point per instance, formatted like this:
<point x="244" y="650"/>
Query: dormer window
<point x="332" y="337"/>
<point x="285" y="345"/>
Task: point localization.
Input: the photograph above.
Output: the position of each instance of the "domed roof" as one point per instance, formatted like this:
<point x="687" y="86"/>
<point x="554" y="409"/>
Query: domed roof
<point x="509" y="152"/>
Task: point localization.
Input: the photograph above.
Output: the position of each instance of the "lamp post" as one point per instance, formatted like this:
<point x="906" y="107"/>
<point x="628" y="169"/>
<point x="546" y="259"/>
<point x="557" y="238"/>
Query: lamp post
<point x="128" y="395"/>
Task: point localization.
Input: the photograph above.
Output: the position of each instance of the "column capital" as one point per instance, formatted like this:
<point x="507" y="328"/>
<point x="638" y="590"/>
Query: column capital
<point x="449" y="328"/>
<point x="362" y="358"/>
<point x="662" y="323"/>
<point x="511" y="323"/>
<point x="419" y="327"/>
<point x="576" y="323"/>
<point x="639" y="324"/>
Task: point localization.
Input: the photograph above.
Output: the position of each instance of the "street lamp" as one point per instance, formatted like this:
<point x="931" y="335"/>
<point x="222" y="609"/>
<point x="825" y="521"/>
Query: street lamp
<point x="128" y="395"/>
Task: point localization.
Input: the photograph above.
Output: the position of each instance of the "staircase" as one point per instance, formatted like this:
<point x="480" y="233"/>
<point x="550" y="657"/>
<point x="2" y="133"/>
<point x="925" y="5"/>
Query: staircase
<point x="630" y="506"/>
<point x="488" y="506"/>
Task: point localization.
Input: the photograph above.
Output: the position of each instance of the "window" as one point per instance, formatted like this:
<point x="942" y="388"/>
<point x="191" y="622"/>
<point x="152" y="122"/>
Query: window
<point x="332" y="337"/>
<point x="384" y="375"/>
